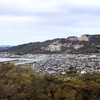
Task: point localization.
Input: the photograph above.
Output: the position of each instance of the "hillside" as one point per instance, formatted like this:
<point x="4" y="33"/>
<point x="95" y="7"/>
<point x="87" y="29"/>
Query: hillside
<point x="21" y="83"/>
<point x="72" y="44"/>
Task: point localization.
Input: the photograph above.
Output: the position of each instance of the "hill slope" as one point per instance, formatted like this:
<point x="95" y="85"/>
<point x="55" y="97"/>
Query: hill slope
<point x="85" y="43"/>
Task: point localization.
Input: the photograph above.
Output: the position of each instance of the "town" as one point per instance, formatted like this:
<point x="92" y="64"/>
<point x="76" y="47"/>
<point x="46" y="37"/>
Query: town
<point x="60" y="63"/>
<point x="68" y="63"/>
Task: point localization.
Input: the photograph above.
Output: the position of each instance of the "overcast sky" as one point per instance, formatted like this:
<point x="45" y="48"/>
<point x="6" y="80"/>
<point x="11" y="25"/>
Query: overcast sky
<point x="24" y="21"/>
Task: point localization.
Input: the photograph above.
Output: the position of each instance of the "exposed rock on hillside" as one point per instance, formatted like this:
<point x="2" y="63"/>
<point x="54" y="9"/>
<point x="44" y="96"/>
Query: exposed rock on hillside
<point x="55" y="46"/>
<point x="84" y="38"/>
<point x="77" y="46"/>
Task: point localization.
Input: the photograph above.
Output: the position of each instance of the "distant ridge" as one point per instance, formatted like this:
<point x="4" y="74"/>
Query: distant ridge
<point x="84" y="44"/>
<point x="4" y="47"/>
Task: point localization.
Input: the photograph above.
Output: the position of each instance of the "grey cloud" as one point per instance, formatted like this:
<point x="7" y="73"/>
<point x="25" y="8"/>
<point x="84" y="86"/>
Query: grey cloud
<point x="59" y="20"/>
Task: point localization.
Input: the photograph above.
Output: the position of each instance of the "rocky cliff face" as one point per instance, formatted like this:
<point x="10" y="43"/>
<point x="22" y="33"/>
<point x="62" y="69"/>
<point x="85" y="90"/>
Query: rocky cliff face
<point x="55" y="46"/>
<point x="84" y="38"/>
<point x="72" y="44"/>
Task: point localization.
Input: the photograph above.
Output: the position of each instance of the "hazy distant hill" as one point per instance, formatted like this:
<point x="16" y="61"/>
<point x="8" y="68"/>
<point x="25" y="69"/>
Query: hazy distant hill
<point x="4" y="47"/>
<point x="72" y="44"/>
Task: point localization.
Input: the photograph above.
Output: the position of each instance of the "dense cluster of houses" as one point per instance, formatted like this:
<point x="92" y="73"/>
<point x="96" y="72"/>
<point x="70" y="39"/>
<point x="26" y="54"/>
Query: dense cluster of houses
<point x="69" y="63"/>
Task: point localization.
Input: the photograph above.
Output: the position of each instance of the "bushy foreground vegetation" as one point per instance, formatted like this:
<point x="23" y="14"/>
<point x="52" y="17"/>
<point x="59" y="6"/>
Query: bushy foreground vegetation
<point x="17" y="83"/>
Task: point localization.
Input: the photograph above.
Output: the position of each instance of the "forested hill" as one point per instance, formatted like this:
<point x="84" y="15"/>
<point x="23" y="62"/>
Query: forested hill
<point x="72" y="44"/>
<point x="21" y="83"/>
